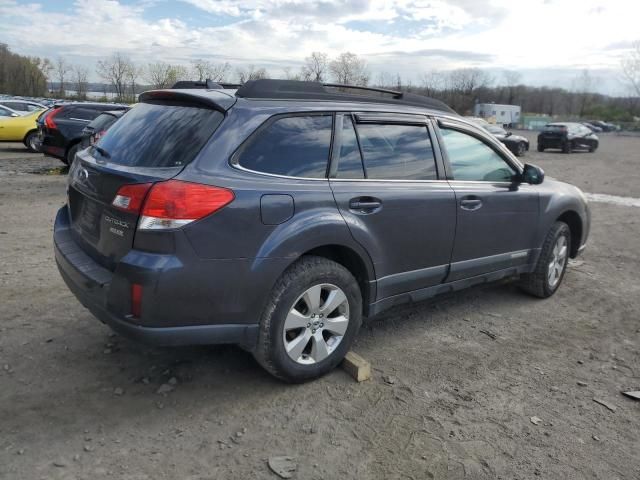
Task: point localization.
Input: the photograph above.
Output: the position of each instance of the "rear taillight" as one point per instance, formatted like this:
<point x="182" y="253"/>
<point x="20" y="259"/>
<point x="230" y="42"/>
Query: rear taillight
<point x="97" y="136"/>
<point x="170" y="204"/>
<point x="130" y="197"/>
<point x="49" y="121"/>
<point x="173" y="204"/>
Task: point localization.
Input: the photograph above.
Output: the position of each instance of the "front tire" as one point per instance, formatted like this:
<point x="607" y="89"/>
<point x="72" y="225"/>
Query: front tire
<point x="545" y="280"/>
<point x="540" y="147"/>
<point x="566" y="147"/>
<point x="310" y="321"/>
<point x="520" y="149"/>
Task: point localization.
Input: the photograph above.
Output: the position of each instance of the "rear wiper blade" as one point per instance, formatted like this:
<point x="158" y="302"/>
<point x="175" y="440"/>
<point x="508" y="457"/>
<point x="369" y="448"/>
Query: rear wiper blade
<point x="102" y="151"/>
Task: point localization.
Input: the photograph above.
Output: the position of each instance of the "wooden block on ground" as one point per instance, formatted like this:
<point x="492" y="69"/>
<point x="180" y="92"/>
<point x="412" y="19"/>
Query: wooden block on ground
<point x="356" y="366"/>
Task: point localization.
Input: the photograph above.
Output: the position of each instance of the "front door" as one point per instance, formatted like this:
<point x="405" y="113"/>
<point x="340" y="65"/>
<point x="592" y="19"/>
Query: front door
<point x="394" y="202"/>
<point x="497" y="215"/>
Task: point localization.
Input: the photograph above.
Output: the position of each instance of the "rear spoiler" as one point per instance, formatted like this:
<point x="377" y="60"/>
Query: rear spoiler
<point x="214" y="99"/>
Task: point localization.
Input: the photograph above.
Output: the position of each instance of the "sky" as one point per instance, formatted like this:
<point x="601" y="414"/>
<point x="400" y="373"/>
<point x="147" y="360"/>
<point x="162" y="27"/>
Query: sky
<point x="549" y="42"/>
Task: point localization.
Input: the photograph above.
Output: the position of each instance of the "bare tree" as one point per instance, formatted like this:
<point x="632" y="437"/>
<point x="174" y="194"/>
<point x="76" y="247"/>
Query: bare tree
<point x="289" y="75"/>
<point x="61" y="69"/>
<point x="432" y="82"/>
<point x="163" y="75"/>
<point x="631" y="68"/>
<point x="251" y="73"/>
<point x="80" y="75"/>
<point x="115" y="70"/>
<point x="46" y="67"/>
<point x="511" y="81"/>
<point x="349" y="69"/>
<point x="582" y="87"/>
<point x="315" y="67"/>
<point x="133" y="74"/>
<point x="206" y="70"/>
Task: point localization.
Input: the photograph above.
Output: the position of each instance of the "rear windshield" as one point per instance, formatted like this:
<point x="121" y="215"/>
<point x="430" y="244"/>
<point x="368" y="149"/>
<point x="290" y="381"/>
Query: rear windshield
<point x="555" y="128"/>
<point x="158" y="135"/>
<point x="102" y="121"/>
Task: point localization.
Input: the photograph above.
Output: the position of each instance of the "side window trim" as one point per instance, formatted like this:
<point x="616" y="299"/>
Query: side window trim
<point x="468" y="131"/>
<point x="336" y="146"/>
<point x="235" y="156"/>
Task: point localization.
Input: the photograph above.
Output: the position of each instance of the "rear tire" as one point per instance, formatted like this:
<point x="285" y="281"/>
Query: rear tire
<point x="540" y="148"/>
<point x="71" y="154"/>
<point x="31" y="142"/>
<point x="297" y="353"/>
<point x="566" y="147"/>
<point x="545" y="280"/>
<point x="593" y="147"/>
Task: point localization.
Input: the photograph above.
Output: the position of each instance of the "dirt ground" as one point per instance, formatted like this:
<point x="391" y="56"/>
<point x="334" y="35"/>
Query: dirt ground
<point x="446" y="400"/>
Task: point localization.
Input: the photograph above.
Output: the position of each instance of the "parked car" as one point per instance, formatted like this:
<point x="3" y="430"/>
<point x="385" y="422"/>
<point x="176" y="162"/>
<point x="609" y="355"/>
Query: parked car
<point x="277" y="217"/>
<point x="60" y="128"/>
<point x="606" y="127"/>
<point x="567" y="137"/>
<point x="517" y="144"/>
<point x="20" y="128"/>
<point x="22" y="106"/>
<point x="96" y="129"/>
<point x="6" y="112"/>
<point x="591" y="127"/>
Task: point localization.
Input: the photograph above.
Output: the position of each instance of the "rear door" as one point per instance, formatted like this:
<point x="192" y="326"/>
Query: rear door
<point x="152" y="142"/>
<point x="385" y="176"/>
<point x="497" y="217"/>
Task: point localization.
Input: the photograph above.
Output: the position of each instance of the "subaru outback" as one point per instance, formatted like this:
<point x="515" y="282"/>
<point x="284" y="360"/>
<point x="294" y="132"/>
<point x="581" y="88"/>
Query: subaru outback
<point x="278" y="216"/>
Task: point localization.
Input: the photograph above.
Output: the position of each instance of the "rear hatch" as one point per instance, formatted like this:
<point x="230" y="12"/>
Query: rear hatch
<point x="150" y="143"/>
<point x="554" y="132"/>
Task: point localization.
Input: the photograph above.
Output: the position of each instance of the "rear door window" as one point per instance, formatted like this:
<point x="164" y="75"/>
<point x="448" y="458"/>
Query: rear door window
<point x="158" y="135"/>
<point x="296" y="146"/>
<point x="397" y="152"/>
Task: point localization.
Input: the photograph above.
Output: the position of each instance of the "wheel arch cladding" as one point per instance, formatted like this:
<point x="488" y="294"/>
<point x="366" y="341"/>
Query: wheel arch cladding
<point x="352" y="261"/>
<point x="573" y="220"/>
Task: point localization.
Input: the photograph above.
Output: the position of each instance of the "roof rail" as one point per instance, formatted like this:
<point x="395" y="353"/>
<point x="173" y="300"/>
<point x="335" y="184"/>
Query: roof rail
<point x="299" y="90"/>
<point x="340" y="86"/>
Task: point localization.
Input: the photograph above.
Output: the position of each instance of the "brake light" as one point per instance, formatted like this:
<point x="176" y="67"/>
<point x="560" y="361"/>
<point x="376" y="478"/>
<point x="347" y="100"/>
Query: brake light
<point x="130" y="197"/>
<point x="48" y="120"/>
<point x="173" y="204"/>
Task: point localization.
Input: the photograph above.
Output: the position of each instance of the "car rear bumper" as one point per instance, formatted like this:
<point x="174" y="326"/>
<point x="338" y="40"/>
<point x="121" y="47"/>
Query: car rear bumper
<point x="105" y="295"/>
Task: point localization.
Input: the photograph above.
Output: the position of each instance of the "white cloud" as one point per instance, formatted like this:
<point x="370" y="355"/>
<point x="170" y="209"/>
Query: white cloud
<point x="399" y="35"/>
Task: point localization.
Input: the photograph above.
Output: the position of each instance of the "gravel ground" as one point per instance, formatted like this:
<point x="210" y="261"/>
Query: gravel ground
<point x="446" y="399"/>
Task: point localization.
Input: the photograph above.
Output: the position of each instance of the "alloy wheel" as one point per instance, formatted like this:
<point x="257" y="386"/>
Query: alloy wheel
<point x="316" y="324"/>
<point x="558" y="261"/>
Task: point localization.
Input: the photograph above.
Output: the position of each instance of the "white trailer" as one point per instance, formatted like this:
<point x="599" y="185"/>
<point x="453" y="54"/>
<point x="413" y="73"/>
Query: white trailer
<point x="505" y="115"/>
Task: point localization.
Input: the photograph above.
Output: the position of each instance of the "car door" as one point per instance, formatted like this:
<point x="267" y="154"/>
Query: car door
<point x="385" y="176"/>
<point x="497" y="216"/>
<point x="584" y="137"/>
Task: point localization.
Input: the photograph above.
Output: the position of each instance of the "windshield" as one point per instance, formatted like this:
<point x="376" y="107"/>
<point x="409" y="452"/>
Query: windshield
<point x="158" y="135"/>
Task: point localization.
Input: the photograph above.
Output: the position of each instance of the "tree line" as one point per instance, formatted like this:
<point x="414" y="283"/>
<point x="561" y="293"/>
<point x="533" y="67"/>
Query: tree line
<point x="460" y="88"/>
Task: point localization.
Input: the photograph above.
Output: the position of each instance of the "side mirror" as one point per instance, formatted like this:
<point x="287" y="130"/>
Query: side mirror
<point x="508" y="134"/>
<point x="532" y="174"/>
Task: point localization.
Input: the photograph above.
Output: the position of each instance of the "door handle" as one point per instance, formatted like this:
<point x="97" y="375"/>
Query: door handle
<point x="365" y="204"/>
<point x="470" y="204"/>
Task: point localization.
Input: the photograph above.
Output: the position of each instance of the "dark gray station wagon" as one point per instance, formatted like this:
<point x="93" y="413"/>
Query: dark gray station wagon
<point x="276" y="217"/>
